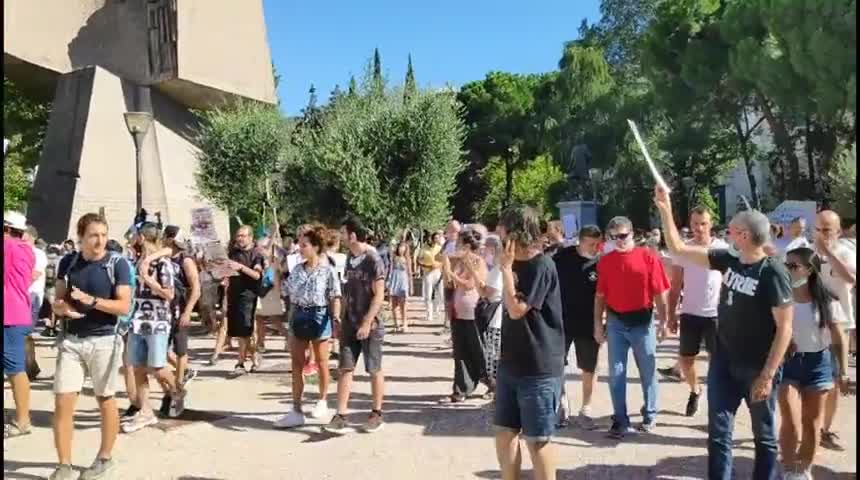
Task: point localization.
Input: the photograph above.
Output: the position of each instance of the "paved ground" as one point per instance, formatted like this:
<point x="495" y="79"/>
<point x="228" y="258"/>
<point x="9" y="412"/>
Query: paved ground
<point x="228" y="434"/>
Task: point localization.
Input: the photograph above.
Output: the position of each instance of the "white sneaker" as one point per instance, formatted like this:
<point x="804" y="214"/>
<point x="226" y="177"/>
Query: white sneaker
<point x="321" y="410"/>
<point x="798" y="475"/>
<point x="291" y="420"/>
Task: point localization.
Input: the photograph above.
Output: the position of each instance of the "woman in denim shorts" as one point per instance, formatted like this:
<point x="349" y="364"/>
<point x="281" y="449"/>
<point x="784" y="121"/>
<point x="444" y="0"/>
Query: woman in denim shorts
<point x="808" y="369"/>
<point x="315" y="292"/>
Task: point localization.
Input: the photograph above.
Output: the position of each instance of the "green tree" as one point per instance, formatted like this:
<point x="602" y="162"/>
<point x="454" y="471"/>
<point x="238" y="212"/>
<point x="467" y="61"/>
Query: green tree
<point x="241" y="145"/>
<point x="25" y="122"/>
<point x="410" y="88"/>
<point x="389" y="162"/>
<point x="536" y="183"/>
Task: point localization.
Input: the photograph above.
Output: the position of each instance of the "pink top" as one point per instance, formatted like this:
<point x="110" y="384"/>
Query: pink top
<point x="465" y="301"/>
<point x="18" y="264"/>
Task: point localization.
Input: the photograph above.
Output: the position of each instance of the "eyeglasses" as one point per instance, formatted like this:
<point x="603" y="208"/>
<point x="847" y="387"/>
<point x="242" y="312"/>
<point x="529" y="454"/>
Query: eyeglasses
<point x="619" y="236"/>
<point x="792" y="266"/>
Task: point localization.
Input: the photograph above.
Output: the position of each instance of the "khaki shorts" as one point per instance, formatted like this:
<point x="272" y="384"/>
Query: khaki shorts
<point x="97" y="357"/>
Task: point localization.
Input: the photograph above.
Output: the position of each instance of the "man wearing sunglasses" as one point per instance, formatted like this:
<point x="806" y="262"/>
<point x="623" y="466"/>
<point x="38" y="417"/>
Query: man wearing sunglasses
<point x="753" y="333"/>
<point x="631" y="282"/>
<point x="838" y="264"/>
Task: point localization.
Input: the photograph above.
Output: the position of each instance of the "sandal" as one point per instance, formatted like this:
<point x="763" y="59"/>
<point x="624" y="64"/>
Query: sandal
<point x="12" y="430"/>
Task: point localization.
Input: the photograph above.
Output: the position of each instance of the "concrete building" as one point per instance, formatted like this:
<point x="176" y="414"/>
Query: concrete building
<point x="98" y="59"/>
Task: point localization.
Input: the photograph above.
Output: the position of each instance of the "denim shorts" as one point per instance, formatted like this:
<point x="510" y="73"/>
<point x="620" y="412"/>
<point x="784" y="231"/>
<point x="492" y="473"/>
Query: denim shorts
<point x="14" y="348"/>
<point x="148" y="350"/>
<point x="528" y="405"/>
<point x="809" y="370"/>
<point x="310" y="324"/>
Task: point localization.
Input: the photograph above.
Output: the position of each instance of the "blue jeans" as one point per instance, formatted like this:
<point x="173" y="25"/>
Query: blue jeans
<point x="528" y="405"/>
<point x="643" y="340"/>
<point x="728" y="384"/>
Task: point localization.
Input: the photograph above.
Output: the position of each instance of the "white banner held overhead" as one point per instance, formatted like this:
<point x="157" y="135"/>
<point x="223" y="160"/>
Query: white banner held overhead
<point x="651" y="165"/>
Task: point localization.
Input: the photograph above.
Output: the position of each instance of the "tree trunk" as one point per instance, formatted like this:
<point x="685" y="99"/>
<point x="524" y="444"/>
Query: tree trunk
<point x="782" y="138"/>
<point x="509" y="182"/>
<point x="743" y="140"/>
<point x="810" y="159"/>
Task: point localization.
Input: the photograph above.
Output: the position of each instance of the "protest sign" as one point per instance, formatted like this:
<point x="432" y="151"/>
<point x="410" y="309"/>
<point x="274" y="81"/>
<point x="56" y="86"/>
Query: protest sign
<point x="203" y="226"/>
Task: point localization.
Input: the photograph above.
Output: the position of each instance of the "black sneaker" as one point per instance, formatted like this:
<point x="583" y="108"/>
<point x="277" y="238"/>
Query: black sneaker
<point x="130" y="412"/>
<point x="164" y="409"/>
<point x="693" y="404"/>
<point x="829" y="441"/>
<point x="337" y="426"/>
<point x="618" y="431"/>
<point x="669" y="373"/>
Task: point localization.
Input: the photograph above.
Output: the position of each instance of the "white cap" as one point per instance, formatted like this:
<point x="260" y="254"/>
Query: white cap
<point x="14" y="220"/>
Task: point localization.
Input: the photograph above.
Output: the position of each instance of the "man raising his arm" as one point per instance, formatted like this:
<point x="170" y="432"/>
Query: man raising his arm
<point x="754" y="331"/>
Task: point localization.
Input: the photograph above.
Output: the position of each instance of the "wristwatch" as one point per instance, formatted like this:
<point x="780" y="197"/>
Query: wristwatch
<point x="94" y="302"/>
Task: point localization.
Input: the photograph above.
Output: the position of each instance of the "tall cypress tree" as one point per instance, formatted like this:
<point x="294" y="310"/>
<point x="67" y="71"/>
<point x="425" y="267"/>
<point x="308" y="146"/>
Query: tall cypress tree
<point x="377" y="81"/>
<point x="409" y="87"/>
<point x="352" y="89"/>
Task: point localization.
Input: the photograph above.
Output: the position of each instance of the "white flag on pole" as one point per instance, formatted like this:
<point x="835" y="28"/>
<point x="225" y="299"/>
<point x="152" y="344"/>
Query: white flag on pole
<point x="651" y="165"/>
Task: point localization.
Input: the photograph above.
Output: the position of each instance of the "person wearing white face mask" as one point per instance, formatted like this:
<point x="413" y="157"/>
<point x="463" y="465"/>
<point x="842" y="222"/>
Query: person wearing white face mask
<point x="807" y="374"/>
<point x="577" y="276"/>
<point x="631" y="282"/>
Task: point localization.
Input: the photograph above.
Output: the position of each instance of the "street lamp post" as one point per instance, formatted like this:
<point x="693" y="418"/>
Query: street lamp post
<point x="138" y="124"/>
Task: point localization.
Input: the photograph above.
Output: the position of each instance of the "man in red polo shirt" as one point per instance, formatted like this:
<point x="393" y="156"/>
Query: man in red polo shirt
<point x="631" y="282"/>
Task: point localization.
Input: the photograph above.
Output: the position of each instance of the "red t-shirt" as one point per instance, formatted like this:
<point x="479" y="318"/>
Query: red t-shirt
<point x="628" y="281"/>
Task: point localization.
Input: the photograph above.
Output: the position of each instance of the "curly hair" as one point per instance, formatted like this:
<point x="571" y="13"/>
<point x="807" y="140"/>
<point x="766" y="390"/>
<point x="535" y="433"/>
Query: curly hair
<point x="522" y="224"/>
<point x="316" y="235"/>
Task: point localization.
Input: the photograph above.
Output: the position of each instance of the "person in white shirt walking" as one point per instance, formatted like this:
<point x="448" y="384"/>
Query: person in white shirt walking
<point x="700" y="288"/>
<point x="838" y="266"/>
<point x="37" y="288"/>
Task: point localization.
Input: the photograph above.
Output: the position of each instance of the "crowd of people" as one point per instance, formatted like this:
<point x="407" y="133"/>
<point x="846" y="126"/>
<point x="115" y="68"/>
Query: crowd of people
<point x="774" y="312"/>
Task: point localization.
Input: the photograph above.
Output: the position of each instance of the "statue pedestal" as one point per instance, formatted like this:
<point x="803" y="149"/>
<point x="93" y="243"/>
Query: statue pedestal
<point x="575" y="214"/>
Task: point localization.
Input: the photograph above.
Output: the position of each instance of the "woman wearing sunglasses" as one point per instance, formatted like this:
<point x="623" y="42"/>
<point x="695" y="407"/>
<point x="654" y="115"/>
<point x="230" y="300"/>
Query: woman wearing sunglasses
<point x="807" y="372"/>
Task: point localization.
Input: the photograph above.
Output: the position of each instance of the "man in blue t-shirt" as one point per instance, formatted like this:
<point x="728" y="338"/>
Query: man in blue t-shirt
<point x="92" y="290"/>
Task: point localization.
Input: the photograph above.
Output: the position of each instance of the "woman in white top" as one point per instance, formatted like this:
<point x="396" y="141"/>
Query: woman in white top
<point x="808" y="369"/>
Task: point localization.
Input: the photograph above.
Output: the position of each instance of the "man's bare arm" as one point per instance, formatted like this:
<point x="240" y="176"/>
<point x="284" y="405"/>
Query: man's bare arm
<point x="782" y="317"/>
<point x="694" y="254"/>
<point x="515" y="307"/>
<point x="193" y="277"/>
<point x="376" y="302"/>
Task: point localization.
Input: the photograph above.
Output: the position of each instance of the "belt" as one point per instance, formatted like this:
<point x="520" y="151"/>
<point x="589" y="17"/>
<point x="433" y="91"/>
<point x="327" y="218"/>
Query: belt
<point x="312" y="308"/>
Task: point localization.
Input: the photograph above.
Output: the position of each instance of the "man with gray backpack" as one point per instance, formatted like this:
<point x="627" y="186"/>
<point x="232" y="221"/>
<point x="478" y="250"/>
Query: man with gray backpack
<point x="92" y="291"/>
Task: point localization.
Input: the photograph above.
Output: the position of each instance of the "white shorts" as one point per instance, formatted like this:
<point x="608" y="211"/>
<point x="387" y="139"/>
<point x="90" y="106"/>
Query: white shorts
<point x="98" y="357"/>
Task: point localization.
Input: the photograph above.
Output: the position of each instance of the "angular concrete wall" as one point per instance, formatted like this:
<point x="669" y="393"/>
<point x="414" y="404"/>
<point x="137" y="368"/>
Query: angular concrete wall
<point x="223" y="44"/>
<point x="88" y="161"/>
<point x="207" y="50"/>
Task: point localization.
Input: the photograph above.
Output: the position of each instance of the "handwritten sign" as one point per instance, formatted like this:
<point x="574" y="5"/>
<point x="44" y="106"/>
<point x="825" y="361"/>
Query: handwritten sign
<point x="203" y="226"/>
<point x="791" y="209"/>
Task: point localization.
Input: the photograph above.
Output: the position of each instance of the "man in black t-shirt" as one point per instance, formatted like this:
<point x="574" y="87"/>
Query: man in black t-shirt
<point x="242" y="296"/>
<point x="531" y="366"/>
<point x="753" y="333"/>
<point x="577" y="276"/>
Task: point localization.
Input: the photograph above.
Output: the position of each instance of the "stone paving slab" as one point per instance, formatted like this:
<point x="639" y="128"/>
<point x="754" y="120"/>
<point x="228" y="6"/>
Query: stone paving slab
<point x="232" y="436"/>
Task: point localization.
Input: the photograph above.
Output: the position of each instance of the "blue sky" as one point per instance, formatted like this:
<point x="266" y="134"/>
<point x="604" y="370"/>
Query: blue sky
<point x="324" y="42"/>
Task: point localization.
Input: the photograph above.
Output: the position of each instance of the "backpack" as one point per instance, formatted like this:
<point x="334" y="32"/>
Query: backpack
<point x="123" y="322"/>
<point x="267" y="282"/>
<point x="180" y="285"/>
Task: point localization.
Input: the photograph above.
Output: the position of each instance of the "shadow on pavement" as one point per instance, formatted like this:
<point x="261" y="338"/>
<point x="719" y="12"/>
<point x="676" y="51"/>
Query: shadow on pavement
<point x="668" y="468"/>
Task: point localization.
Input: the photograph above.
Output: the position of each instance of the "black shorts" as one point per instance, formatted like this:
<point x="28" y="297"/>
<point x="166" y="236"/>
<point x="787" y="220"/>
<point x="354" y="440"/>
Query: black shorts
<point x="586" y="350"/>
<point x="695" y="330"/>
<point x="240" y="316"/>
<point x="179" y="339"/>
<point x="351" y="347"/>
